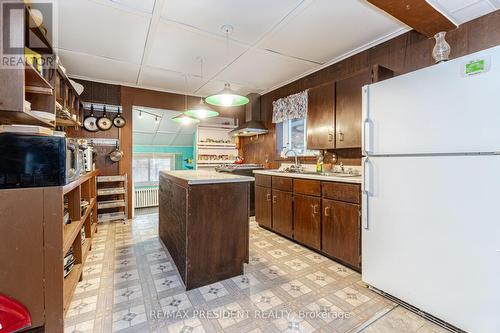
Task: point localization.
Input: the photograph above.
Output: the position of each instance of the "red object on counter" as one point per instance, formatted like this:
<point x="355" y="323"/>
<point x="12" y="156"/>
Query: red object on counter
<point x="13" y="315"/>
<point x="239" y="160"/>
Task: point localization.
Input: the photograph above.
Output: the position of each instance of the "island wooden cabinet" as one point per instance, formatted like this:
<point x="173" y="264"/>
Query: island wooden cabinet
<point x="341" y="233"/>
<point x="263" y="206"/>
<point x="283" y="213"/>
<point x="307" y="220"/>
<point x="321" y="117"/>
<point x="322" y="215"/>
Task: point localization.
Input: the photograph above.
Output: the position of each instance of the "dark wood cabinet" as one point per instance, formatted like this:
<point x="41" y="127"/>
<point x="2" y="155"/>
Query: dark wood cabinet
<point x="348" y="105"/>
<point x="341" y="234"/>
<point x="282" y="213"/>
<point x="321" y="117"/>
<point x="307" y="220"/>
<point x="263" y="206"/>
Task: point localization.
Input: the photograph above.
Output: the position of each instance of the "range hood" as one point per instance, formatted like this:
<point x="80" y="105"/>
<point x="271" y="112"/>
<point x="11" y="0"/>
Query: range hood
<point x="253" y="124"/>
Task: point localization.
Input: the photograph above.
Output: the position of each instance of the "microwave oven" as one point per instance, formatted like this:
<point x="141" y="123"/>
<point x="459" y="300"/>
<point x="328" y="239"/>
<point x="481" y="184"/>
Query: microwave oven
<point x="37" y="161"/>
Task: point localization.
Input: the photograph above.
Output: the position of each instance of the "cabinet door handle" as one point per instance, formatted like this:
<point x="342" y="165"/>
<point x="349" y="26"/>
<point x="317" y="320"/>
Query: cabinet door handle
<point x="330" y="137"/>
<point x="315" y="209"/>
<point x="275" y="199"/>
<point x="268" y="197"/>
<point x="341" y="136"/>
<point x="327" y="211"/>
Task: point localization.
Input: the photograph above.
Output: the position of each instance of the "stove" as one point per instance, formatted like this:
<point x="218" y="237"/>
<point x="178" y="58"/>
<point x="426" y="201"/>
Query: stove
<point x="243" y="170"/>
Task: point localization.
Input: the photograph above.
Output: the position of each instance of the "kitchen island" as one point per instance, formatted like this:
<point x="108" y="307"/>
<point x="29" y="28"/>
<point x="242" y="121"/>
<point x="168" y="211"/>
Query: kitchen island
<point x="203" y="222"/>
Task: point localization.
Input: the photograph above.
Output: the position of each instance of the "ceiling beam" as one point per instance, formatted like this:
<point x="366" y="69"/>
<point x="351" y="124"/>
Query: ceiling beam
<point x="417" y="14"/>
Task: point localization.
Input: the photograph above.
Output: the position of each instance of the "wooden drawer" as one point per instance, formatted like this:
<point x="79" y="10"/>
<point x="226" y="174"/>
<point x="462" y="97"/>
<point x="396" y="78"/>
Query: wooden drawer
<point x="307" y="187"/>
<point x="263" y="180"/>
<point x="283" y="184"/>
<point x="342" y="192"/>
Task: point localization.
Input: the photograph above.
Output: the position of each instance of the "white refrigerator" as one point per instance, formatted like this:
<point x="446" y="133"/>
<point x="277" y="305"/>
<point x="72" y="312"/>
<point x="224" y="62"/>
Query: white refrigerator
<point x="431" y="191"/>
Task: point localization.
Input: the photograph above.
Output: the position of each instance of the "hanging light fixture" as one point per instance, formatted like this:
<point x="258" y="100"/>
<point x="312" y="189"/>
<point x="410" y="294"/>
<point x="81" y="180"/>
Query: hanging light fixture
<point x="227" y="97"/>
<point x="183" y="118"/>
<point x="201" y="110"/>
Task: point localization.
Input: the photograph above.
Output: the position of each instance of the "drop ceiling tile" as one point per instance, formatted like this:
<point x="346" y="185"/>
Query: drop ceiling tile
<point x="168" y="126"/>
<point x="94" y="28"/>
<point x="142" y="139"/>
<point x="451" y="5"/>
<point x="145" y="6"/>
<point x="97" y="68"/>
<point x="325" y="30"/>
<point x="168" y="80"/>
<point x="211" y="15"/>
<point x="177" y="48"/>
<point x="473" y="11"/>
<point x="262" y="68"/>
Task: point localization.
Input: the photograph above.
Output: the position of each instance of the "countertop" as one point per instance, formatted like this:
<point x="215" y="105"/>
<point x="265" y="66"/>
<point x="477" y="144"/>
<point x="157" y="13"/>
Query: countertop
<point x="352" y="180"/>
<point x="196" y="177"/>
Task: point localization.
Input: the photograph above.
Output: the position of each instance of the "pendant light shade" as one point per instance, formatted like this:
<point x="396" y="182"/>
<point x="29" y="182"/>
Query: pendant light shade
<point x="227" y="97"/>
<point x="185" y="119"/>
<point x="201" y="111"/>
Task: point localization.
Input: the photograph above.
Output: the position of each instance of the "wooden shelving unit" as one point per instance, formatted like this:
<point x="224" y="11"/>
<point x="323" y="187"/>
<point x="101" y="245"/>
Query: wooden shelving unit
<point x="36" y="276"/>
<point x="214" y="146"/>
<point x="41" y="88"/>
<point x="112" y="198"/>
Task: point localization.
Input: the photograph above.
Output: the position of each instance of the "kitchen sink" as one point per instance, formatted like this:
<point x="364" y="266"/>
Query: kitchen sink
<point x="326" y="174"/>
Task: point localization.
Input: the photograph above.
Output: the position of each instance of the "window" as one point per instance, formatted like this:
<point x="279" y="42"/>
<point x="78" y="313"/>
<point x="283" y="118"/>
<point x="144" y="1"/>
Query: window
<point x="146" y="167"/>
<point x="291" y="134"/>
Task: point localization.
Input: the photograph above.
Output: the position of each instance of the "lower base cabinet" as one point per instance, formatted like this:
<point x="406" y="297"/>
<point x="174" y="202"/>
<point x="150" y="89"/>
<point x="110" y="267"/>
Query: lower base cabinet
<point x="283" y="212"/>
<point x="341" y="233"/>
<point x="307" y="220"/>
<point x="263" y="206"/>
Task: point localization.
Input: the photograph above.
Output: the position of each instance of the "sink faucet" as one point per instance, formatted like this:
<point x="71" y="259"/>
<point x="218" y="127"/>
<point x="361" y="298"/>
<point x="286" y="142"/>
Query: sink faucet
<point x="342" y="167"/>
<point x="296" y="167"/>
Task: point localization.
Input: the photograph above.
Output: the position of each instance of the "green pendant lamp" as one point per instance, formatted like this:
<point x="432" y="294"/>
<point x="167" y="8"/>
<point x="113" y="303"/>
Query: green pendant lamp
<point x="185" y="119"/>
<point x="227" y="97"/>
<point x="201" y="111"/>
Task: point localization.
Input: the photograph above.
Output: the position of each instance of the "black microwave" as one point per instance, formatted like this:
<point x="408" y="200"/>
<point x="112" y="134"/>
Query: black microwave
<point x="37" y="161"/>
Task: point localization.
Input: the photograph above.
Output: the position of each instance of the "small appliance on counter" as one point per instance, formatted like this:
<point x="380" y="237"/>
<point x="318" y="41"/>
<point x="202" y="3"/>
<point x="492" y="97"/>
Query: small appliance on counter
<point x="243" y="170"/>
<point x="87" y="156"/>
<point x="37" y="160"/>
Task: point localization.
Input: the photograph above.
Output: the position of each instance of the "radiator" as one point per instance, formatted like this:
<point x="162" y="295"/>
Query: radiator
<point x="146" y="197"/>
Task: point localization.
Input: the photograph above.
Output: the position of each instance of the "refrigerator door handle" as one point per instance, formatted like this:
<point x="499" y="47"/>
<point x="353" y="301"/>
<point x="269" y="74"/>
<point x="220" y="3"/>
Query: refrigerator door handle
<point x="366" y="192"/>
<point x="367" y="137"/>
<point x="364" y="210"/>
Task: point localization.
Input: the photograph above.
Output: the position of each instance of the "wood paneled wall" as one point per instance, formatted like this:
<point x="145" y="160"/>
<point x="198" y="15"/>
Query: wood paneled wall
<point x="131" y="97"/>
<point x="403" y="54"/>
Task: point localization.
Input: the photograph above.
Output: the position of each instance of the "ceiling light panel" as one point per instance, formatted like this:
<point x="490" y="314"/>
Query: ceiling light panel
<point x="277" y="68"/>
<point x="169" y="81"/>
<point x="98" y="68"/>
<point x="325" y="30"/>
<point x="177" y="48"/>
<point x="97" y="29"/>
<point x="251" y="19"/>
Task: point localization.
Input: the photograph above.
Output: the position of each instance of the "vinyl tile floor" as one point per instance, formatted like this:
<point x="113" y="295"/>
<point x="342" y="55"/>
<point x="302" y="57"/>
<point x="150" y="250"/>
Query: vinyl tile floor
<point x="130" y="284"/>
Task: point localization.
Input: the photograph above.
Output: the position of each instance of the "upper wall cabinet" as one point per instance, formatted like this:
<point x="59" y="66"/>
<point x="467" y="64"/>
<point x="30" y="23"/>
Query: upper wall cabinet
<point x="321" y="117"/>
<point x="349" y="104"/>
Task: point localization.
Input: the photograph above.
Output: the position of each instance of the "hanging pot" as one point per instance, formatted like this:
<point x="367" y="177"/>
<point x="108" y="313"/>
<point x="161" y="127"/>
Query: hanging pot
<point x="118" y="120"/>
<point x="117" y="154"/>
<point x="90" y="122"/>
<point x="104" y="123"/>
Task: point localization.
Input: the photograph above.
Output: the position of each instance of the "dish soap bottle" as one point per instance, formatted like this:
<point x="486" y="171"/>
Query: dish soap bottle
<point x="319" y="164"/>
